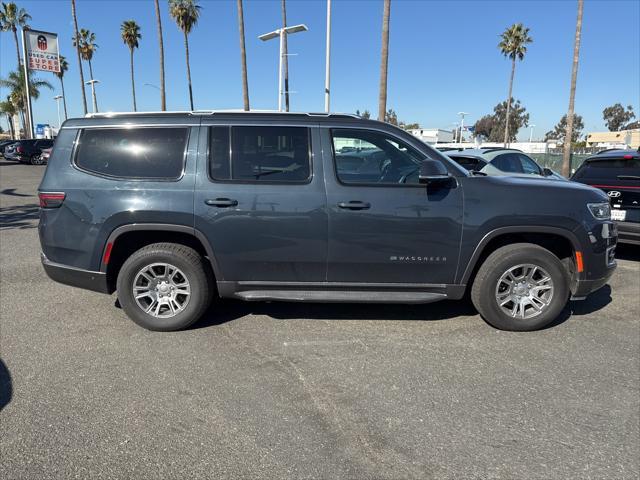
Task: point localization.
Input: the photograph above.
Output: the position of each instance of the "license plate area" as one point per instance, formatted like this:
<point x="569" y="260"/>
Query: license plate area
<point x="619" y="215"/>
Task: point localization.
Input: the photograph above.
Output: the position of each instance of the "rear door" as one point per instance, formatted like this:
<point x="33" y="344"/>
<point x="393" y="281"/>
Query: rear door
<point x="260" y="200"/>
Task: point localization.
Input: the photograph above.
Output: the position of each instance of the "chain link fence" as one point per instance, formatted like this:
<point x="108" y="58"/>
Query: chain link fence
<point x="553" y="158"/>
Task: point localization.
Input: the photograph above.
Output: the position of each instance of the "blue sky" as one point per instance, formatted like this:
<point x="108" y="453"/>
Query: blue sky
<point x="443" y="57"/>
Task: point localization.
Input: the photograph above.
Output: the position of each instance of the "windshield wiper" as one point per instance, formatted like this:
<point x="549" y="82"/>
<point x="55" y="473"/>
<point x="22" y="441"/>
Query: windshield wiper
<point x="628" y="177"/>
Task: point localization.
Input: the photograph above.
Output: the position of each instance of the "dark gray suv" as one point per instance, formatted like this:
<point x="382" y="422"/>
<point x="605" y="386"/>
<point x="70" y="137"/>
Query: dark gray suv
<point x="173" y="209"/>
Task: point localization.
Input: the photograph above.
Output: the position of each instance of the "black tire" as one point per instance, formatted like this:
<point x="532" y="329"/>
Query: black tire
<point x="484" y="291"/>
<point x="189" y="262"/>
<point x="35" y="160"/>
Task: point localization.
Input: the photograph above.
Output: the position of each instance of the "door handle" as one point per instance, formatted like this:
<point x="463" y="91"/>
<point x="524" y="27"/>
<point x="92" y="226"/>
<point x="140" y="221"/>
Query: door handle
<point x="354" y="205"/>
<point x="221" y="202"/>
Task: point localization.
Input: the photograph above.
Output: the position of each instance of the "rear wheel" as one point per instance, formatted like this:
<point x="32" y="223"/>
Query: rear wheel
<point x="36" y="160"/>
<point x="164" y="287"/>
<point x="520" y="287"/>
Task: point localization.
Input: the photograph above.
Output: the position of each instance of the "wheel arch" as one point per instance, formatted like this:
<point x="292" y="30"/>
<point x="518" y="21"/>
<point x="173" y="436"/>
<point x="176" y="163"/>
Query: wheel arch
<point x="126" y="239"/>
<point x="563" y="243"/>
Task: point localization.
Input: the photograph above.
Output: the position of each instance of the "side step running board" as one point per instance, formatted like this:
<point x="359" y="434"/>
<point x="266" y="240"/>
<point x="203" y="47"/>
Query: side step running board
<point x="339" y="296"/>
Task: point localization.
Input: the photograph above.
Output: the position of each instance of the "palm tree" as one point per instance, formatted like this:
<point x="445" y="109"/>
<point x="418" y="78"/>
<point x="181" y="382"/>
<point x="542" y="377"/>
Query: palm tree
<point x="163" y="98"/>
<point x="186" y="14"/>
<point x="285" y="57"/>
<point x="384" y="63"/>
<point x="64" y="67"/>
<point x="566" y="151"/>
<point x="130" y="32"/>
<point x="75" y="35"/>
<point x="86" y="43"/>
<point x="9" y="109"/>
<point x="243" y="57"/>
<point x="513" y="44"/>
<point x="16" y="85"/>
<point x="12" y="17"/>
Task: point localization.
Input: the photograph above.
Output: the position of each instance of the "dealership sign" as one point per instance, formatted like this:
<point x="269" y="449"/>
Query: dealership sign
<point x="42" y="51"/>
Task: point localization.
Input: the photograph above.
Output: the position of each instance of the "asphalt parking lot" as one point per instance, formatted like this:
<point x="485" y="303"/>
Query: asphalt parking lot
<point x="269" y="390"/>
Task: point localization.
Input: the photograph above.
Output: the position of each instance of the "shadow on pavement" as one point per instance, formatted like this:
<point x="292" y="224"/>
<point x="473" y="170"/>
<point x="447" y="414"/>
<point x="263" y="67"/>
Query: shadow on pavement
<point x="13" y="193"/>
<point x="19" y="216"/>
<point x="6" y="388"/>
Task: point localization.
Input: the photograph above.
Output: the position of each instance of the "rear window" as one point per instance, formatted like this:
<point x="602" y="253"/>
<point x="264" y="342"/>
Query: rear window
<point x="260" y="154"/>
<point x="145" y="153"/>
<point x="469" y="163"/>
<point x="609" y="169"/>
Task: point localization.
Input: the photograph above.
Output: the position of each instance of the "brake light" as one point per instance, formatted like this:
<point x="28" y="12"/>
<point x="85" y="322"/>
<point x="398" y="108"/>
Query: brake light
<point x="51" y="200"/>
<point x="19" y="149"/>
<point x="628" y="157"/>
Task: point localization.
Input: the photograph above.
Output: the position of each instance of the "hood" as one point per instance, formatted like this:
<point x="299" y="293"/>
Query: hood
<point x="545" y="186"/>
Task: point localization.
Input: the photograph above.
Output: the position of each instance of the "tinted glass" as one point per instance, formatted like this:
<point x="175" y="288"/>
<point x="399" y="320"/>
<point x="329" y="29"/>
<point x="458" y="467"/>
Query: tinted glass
<point x="507" y="162"/>
<point x="219" y="162"/>
<point x="366" y="156"/>
<point x="610" y="169"/>
<point x="270" y="154"/>
<point x="528" y="165"/>
<point x="133" y="152"/>
<point x="469" y="163"/>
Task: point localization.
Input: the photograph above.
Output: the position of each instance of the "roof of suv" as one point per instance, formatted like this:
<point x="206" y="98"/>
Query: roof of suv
<point x="614" y="153"/>
<point x="485" y="154"/>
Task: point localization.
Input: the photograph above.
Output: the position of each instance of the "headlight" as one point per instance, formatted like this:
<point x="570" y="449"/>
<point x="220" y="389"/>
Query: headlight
<point x="600" y="211"/>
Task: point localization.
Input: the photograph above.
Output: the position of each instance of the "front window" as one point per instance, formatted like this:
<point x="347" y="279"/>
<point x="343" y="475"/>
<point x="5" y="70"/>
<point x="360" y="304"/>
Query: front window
<point x="371" y="157"/>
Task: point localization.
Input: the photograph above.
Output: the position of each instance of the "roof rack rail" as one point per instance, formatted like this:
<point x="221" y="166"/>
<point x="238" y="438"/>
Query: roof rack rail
<point x="214" y="112"/>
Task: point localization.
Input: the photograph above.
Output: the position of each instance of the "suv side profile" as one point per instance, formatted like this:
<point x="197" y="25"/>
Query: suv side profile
<point x="170" y="210"/>
<point x="28" y="151"/>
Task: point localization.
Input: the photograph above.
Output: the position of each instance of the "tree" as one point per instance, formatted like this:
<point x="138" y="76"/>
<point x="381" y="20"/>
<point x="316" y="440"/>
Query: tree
<point x="518" y="118"/>
<point x="186" y="14"/>
<point x="243" y="59"/>
<point x="513" y="44"/>
<point x="75" y="35"/>
<point x="16" y="85"/>
<point x="484" y="126"/>
<point x="12" y="17"/>
<point x="9" y="110"/>
<point x="130" y="32"/>
<point x="86" y="43"/>
<point x="391" y="117"/>
<point x="410" y="126"/>
<point x="64" y="67"/>
<point x="285" y="58"/>
<point x="365" y="114"/>
<point x="616" y="117"/>
<point x="384" y="62"/>
<point x="566" y="152"/>
<point x="163" y="98"/>
<point x="632" y="126"/>
<point x="559" y="132"/>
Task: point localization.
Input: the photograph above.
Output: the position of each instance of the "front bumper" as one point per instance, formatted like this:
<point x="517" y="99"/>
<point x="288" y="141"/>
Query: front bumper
<point x="628" y="232"/>
<point x="585" y="287"/>
<point x="75" y="277"/>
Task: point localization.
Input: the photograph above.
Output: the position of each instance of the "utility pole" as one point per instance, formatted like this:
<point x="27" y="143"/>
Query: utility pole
<point x="57" y="99"/>
<point x="462" y="114"/>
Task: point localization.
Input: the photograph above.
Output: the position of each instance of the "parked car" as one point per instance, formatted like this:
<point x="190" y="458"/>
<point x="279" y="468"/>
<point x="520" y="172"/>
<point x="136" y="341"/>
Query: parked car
<point x="4" y="144"/>
<point x="500" y="161"/>
<point x="172" y="209"/>
<point x="28" y="151"/>
<point x="44" y="156"/>
<point x="617" y="172"/>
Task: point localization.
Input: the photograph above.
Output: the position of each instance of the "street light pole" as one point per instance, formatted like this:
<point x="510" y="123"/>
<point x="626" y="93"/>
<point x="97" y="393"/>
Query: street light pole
<point x="57" y="98"/>
<point x="327" y="67"/>
<point x="93" y="93"/>
<point x="531" y="134"/>
<point x="280" y="33"/>
<point x="462" y="114"/>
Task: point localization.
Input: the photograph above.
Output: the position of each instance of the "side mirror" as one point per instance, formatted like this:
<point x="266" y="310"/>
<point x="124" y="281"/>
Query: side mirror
<point x="547" y="172"/>
<point x="433" y="172"/>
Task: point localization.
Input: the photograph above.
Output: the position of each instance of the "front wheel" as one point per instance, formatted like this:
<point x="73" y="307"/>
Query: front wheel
<point x="520" y="287"/>
<point x="164" y="287"/>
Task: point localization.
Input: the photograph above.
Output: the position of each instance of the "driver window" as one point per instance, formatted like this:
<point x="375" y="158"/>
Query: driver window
<point x="370" y="157"/>
<point x="529" y="166"/>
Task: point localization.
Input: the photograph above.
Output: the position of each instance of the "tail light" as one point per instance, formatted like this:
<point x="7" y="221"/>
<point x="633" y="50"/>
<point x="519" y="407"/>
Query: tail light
<point x="19" y="149"/>
<point x="51" y="199"/>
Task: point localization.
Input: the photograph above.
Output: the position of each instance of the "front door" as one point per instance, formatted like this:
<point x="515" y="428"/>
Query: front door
<point x="384" y="226"/>
<point x="260" y="202"/>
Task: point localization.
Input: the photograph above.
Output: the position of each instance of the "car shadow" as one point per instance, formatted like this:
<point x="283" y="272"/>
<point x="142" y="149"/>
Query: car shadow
<point x="6" y="386"/>
<point x="13" y="193"/>
<point x="19" y="216"/>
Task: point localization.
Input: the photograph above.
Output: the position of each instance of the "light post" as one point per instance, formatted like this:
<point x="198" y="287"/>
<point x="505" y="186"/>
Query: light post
<point x="93" y="93"/>
<point x="455" y="131"/>
<point x="280" y="33"/>
<point x="327" y="61"/>
<point x="57" y="98"/>
<point x="462" y="114"/>
<point x="531" y="134"/>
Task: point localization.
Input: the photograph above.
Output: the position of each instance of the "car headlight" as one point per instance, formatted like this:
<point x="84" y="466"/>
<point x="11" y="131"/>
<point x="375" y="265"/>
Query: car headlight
<point x="600" y="211"/>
